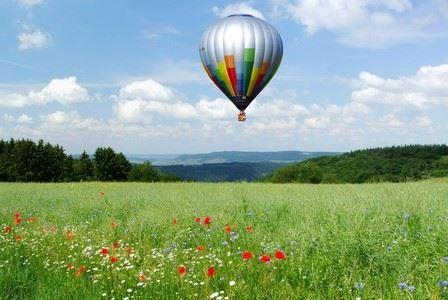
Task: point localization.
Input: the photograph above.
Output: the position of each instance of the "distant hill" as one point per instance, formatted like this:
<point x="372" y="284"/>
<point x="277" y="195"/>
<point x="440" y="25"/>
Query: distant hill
<point x="227" y="157"/>
<point x="399" y="163"/>
<point x="235" y="171"/>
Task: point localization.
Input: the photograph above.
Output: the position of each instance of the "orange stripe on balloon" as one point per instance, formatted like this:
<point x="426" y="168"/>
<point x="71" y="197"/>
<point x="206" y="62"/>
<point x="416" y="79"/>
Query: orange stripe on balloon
<point x="231" y="71"/>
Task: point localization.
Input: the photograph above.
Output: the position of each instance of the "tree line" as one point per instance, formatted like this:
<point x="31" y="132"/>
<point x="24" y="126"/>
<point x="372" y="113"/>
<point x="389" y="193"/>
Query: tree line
<point x="28" y="161"/>
<point x="391" y="164"/>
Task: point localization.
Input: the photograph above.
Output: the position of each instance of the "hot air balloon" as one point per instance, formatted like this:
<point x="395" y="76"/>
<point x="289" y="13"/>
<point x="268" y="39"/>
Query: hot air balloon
<point x="241" y="54"/>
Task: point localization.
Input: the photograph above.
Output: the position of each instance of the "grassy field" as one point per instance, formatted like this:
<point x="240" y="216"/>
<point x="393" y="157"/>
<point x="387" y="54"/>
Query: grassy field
<point x="153" y="241"/>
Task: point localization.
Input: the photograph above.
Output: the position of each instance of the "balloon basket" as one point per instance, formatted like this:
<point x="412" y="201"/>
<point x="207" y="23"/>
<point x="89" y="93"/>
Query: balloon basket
<point x="242" y="116"/>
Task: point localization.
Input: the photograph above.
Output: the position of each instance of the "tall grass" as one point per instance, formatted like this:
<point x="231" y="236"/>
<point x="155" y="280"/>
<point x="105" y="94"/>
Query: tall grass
<point x="372" y="241"/>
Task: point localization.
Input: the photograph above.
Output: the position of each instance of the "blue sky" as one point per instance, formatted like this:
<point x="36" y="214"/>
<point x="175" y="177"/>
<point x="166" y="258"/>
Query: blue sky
<point x="355" y="74"/>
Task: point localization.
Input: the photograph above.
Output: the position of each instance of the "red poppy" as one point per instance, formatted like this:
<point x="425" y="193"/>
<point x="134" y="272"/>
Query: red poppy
<point x="113" y="259"/>
<point x="115" y="245"/>
<point x="182" y="270"/>
<point x="265" y="258"/>
<point x="174" y="221"/>
<point x="142" y="277"/>
<point x="197" y="220"/>
<point x="280" y="255"/>
<point x="228" y="229"/>
<point x="200" y="248"/>
<point x="18" y="238"/>
<point x="69" y="235"/>
<point x="80" y="270"/>
<point x="104" y="251"/>
<point x="211" y="271"/>
<point x="249" y="229"/>
<point x="70" y="267"/>
<point x="246" y="255"/>
<point x="128" y="250"/>
<point x="18" y="221"/>
<point x="17" y="214"/>
<point x="7" y="229"/>
<point x="207" y="221"/>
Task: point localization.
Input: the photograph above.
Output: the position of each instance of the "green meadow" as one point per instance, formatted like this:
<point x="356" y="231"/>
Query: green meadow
<point x="151" y="241"/>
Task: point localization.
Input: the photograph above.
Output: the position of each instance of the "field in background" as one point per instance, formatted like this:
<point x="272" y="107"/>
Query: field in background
<point x="119" y="240"/>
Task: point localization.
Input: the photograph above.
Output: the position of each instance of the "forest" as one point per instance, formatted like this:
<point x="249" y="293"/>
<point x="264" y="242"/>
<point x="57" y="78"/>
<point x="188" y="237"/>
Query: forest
<point x="28" y="161"/>
<point x="389" y="164"/>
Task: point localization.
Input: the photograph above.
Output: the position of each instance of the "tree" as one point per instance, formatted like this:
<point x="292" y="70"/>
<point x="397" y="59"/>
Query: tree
<point x="109" y="166"/>
<point x="144" y="172"/>
<point x="83" y="168"/>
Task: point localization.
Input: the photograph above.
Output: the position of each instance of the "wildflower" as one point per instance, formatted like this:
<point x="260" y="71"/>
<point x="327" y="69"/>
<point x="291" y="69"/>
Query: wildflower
<point x="17" y="218"/>
<point x="182" y="270"/>
<point x="359" y="286"/>
<point x="207" y="221"/>
<point x="197" y="220"/>
<point x="69" y="235"/>
<point x="142" y="277"/>
<point x="247" y="255"/>
<point x="200" y="248"/>
<point x="402" y="286"/>
<point x="211" y="271"/>
<point x="113" y="259"/>
<point x="443" y="283"/>
<point x="129" y="290"/>
<point x="18" y="238"/>
<point x="31" y="219"/>
<point x="214" y="295"/>
<point x="70" y="267"/>
<point x="406" y="215"/>
<point x="101" y="194"/>
<point x="80" y="270"/>
<point x="411" y="288"/>
<point x="113" y="225"/>
<point x="174" y="221"/>
<point x="280" y="255"/>
<point x="233" y="236"/>
<point x="232" y="283"/>
<point x="228" y="229"/>
<point x="265" y="258"/>
<point x="104" y="251"/>
<point x="7" y="229"/>
<point x="249" y="229"/>
<point x="115" y="245"/>
<point x="128" y="250"/>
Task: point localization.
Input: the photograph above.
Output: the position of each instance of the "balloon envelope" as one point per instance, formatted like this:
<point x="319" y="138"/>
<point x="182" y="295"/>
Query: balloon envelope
<point x="241" y="54"/>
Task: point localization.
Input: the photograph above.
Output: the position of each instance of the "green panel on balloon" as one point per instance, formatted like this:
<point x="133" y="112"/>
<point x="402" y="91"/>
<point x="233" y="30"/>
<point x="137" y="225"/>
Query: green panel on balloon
<point x="249" y="56"/>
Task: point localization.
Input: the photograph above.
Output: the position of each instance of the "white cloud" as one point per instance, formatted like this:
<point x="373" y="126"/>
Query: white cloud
<point x="32" y="38"/>
<point x="238" y="8"/>
<point x="24" y="119"/>
<point x="29" y="3"/>
<point x="443" y="7"/>
<point x="380" y="111"/>
<point x="65" y="91"/>
<point x="147" y="90"/>
<point x="428" y="87"/>
<point x="8" y="118"/>
<point x="316" y="123"/>
<point x="362" y="23"/>
<point x="69" y="120"/>
<point x="423" y="121"/>
<point x="139" y="100"/>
